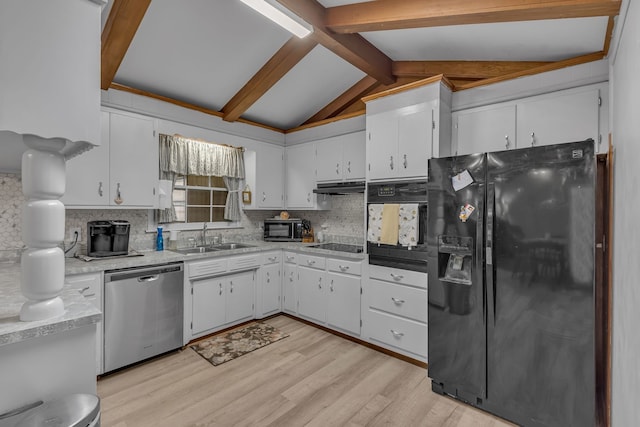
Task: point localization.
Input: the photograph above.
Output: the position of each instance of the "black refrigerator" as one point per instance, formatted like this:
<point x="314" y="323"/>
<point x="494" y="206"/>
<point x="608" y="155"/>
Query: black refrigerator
<point x="511" y="282"/>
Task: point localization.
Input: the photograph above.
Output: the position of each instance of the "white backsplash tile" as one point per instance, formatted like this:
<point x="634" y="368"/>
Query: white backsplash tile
<point x="344" y="221"/>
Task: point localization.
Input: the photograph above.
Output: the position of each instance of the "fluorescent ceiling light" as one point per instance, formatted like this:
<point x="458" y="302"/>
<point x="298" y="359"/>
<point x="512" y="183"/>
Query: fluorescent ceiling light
<point x="273" y="12"/>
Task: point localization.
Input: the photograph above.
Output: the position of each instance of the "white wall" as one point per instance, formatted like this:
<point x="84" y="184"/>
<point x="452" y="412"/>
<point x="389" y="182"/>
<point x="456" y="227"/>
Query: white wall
<point x="625" y="91"/>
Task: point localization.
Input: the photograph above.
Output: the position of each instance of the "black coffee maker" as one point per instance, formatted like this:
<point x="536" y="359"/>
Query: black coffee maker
<point x="107" y="238"/>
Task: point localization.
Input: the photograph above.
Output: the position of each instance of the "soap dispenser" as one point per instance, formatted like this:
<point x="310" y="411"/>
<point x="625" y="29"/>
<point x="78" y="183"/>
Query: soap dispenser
<point x="159" y="240"/>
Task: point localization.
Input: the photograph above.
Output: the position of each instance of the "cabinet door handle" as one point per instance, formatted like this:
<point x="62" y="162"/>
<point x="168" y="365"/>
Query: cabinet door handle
<point x="404" y="163"/>
<point x="506" y="139"/>
<point x="100" y="192"/>
<point x="391" y="162"/>
<point x="397" y="276"/>
<point x="320" y="283"/>
<point x="337" y="168"/>
<point x="231" y="286"/>
<point x="264" y="196"/>
<point x="397" y="334"/>
<point x="308" y="197"/>
<point x="291" y="277"/>
<point x="118" y="198"/>
<point x="397" y="301"/>
<point x="349" y="166"/>
<point x="268" y="278"/>
<point x="220" y="292"/>
<point x="533" y="139"/>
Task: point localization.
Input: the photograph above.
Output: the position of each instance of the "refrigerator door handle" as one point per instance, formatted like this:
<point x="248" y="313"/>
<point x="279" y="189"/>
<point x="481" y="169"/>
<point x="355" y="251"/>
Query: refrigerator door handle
<point x="491" y="283"/>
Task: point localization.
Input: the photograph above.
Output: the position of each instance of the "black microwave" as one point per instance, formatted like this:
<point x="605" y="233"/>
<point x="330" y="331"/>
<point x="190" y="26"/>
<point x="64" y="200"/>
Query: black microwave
<point x="283" y="230"/>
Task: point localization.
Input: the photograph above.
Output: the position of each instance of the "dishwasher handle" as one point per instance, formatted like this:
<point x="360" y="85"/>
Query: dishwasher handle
<point x="142" y="274"/>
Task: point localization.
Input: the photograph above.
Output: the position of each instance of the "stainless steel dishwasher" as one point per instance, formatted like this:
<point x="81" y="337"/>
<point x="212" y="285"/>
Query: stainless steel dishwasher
<point x="143" y="313"/>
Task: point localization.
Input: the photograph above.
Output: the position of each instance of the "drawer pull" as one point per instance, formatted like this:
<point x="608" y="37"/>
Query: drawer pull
<point x="290" y="257"/>
<point x="397" y="334"/>
<point x="397" y="276"/>
<point x="83" y="290"/>
<point x="311" y="262"/>
<point x="272" y="258"/>
<point x="397" y="301"/>
<point x="343" y="267"/>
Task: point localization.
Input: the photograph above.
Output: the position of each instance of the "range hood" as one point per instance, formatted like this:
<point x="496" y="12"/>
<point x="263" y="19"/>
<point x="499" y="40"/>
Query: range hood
<point x="340" y="188"/>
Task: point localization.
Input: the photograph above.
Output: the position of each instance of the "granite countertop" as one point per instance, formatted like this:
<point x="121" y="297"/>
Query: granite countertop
<point x="78" y="266"/>
<point x="79" y="312"/>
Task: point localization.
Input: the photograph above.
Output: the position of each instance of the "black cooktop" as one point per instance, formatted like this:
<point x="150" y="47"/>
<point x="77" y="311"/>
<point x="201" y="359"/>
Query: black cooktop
<point x="340" y="247"/>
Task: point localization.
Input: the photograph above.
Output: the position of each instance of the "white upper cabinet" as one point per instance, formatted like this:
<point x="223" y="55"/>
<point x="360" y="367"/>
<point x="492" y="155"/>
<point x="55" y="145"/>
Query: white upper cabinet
<point x="133" y="161"/>
<point x="405" y="127"/>
<point x="341" y="158"/>
<point x="88" y="175"/>
<point x="485" y="129"/>
<point x="125" y="164"/>
<point x="269" y="179"/>
<point x="565" y="116"/>
<point x="301" y="176"/>
<point x="554" y="118"/>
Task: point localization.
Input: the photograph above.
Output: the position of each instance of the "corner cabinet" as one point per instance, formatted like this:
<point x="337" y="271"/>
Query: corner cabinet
<point x="269" y="177"/>
<point x="405" y="127"/>
<point x="122" y="171"/>
<point x="301" y="179"/>
<point x="553" y="118"/>
<point x="269" y="289"/>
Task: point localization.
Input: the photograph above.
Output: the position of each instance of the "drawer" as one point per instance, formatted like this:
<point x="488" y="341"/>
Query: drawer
<point x="271" y="258"/>
<point x="396" y="275"/>
<point x="311" y="261"/>
<point x="290" y="257"/>
<point x="245" y="262"/>
<point x="209" y="267"/>
<point x="398" y="299"/>
<point x="404" y="334"/>
<point x="344" y="266"/>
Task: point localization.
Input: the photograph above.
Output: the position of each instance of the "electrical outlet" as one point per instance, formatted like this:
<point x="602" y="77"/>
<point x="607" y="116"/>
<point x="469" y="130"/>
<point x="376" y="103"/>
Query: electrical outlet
<point x="72" y="234"/>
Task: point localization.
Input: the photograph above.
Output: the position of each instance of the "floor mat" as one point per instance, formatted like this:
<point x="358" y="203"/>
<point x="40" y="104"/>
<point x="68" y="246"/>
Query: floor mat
<point x="225" y="347"/>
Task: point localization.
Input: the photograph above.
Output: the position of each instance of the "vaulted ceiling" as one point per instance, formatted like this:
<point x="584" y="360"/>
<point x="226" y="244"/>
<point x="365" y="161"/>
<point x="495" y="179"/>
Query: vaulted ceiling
<point x="222" y="58"/>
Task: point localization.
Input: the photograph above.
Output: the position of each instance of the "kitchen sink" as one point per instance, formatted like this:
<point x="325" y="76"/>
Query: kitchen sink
<point x="196" y="250"/>
<point x="212" y="248"/>
<point x="225" y="246"/>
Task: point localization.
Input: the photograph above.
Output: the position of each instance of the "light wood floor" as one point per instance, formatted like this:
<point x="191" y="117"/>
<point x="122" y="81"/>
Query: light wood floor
<point x="311" y="378"/>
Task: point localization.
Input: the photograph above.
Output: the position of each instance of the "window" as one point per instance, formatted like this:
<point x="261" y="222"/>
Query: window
<point x="199" y="199"/>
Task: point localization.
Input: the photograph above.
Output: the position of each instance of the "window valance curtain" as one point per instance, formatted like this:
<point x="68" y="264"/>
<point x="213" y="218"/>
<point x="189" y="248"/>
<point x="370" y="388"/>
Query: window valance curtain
<point x="184" y="156"/>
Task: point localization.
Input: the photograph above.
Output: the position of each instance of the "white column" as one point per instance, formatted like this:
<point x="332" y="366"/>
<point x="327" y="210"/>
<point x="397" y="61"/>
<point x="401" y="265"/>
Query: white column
<point x="43" y="224"/>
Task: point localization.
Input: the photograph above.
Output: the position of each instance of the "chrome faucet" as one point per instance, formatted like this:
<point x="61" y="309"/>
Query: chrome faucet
<point x="204" y="234"/>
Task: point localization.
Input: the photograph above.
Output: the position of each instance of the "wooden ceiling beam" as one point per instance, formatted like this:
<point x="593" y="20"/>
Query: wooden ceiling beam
<point x="461" y="69"/>
<point x="353" y="48"/>
<point x="121" y="26"/>
<point x="276" y="67"/>
<point x="582" y="59"/>
<point x="392" y="14"/>
<point x="351" y="96"/>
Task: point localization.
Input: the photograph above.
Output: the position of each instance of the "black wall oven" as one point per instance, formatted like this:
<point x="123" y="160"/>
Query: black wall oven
<point x="398" y="256"/>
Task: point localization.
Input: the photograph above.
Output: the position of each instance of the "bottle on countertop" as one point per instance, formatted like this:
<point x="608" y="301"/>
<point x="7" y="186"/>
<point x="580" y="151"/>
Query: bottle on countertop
<point x="159" y="240"/>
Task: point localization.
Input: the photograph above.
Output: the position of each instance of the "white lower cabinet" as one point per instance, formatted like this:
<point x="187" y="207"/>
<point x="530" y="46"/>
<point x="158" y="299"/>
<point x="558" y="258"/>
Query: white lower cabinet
<point x="90" y="286"/>
<point x="222" y="301"/>
<point x="328" y="291"/>
<point x="343" y="305"/>
<point x="219" y="292"/>
<point x="270" y="289"/>
<point x="396" y="310"/>
<point x="312" y="297"/>
<point x="289" y="283"/>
